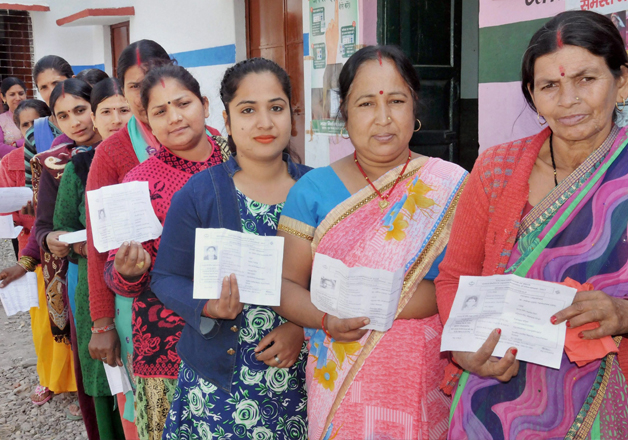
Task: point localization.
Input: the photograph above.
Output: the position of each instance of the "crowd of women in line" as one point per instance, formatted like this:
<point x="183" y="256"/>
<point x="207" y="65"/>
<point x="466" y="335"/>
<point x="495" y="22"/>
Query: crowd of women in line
<point x="553" y="206"/>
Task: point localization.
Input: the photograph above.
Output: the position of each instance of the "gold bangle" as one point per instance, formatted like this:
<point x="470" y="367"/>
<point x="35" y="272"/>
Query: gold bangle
<point x="29" y="264"/>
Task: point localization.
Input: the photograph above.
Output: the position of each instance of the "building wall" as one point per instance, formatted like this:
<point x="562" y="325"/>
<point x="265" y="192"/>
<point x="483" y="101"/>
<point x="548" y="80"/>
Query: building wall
<point x="505" y="31"/>
<point x="200" y="34"/>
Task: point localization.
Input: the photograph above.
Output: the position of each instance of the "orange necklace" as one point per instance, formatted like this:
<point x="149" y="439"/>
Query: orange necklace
<point x="383" y="203"/>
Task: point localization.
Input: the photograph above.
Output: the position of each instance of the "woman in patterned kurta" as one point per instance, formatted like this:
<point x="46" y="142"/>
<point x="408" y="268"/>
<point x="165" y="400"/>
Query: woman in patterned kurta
<point x="261" y="397"/>
<point x="69" y="216"/>
<point x="242" y="370"/>
<point x="157" y="329"/>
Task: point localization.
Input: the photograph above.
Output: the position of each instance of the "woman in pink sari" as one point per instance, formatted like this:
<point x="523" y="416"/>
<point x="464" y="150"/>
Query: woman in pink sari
<point x="385" y="208"/>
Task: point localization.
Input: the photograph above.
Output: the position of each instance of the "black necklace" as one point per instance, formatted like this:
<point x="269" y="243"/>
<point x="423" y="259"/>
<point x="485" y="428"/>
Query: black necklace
<point x="553" y="162"/>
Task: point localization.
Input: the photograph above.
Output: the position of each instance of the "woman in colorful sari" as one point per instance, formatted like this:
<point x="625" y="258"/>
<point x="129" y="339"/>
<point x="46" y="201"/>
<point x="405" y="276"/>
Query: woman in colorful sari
<point x="382" y="207"/>
<point x="54" y="359"/>
<point x="552" y="206"/>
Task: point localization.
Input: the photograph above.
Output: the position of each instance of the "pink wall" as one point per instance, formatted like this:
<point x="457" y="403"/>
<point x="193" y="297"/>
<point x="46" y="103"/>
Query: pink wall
<point x="368" y="22"/>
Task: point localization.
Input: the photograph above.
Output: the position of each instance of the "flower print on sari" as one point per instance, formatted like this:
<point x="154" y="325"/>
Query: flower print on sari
<point x="398" y="217"/>
<point x="329" y="360"/>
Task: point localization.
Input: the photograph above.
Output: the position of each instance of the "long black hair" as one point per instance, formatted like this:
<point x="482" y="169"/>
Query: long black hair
<point x="72" y="86"/>
<point x="178" y="73"/>
<point x="141" y="53"/>
<point x="234" y="76"/>
<point x="92" y="76"/>
<point x="377" y="53"/>
<point x="9" y="82"/>
<point x="105" y="89"/>
<point x="586" y="29"/>
<point x="54" y="62"/>
<point x="40" y="107"/>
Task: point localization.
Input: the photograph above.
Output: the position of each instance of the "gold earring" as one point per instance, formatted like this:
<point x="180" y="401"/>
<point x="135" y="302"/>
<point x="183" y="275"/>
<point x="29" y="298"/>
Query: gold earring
<point x="344" y="129"/>
<point x="538" y="116"/>
<point x="420" y="125"/>
<point x="623" y="104"/>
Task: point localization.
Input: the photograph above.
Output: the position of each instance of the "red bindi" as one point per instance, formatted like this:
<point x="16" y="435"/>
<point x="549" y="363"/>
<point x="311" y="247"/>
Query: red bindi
<point x="561" y="70"/>
<point x="381" y="92"/>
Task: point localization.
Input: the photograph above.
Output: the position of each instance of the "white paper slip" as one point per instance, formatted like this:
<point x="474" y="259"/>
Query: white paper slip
<point x="120" y="213"/>
<point x="352" y="292"/>
<point x="74" y="237"/>
<point x="255" y="260"/>
<point x="118" y="379"/>
<point x="7" y="228"/>
<point x="520" y="307"/>
<point x="13" y="199"/>
<point x="20" y="295"/>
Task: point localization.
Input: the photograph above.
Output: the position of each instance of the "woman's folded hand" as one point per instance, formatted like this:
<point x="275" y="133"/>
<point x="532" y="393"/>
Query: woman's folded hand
<point x="281" y="347"/>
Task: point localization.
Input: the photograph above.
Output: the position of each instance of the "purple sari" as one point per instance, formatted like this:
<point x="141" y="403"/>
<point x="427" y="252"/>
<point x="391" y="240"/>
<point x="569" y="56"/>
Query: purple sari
<point x="578" y="231"/>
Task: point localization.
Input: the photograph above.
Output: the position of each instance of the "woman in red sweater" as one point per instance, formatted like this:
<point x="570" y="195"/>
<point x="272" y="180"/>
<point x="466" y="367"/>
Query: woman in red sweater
<point x="177" y="113"/>
<point x="113" y="160"/>
<point x="552" y="206"/>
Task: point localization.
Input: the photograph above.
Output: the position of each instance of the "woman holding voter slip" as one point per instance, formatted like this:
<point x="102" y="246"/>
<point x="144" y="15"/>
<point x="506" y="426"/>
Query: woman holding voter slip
<point x="242" y="365"/>
<point x="380" y="213"/>
<point x="70" y="104"/>
<point x="552" y="207"/>
<point x="69" y="216"/>
<point x="176" y="111"/>
<point x="54" y="359"/>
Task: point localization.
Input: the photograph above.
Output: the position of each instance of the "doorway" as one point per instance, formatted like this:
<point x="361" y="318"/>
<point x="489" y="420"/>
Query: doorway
<point x="430" y="32"/>
<point x="119" y="40"/>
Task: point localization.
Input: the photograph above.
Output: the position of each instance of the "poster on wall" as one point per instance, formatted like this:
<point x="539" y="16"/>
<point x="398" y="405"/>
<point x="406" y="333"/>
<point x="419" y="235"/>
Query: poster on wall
<point x="601" y="6"/>
<point x="499" y="20"/>
<point x="615" y="10"/>
<point x="333" y="39"/>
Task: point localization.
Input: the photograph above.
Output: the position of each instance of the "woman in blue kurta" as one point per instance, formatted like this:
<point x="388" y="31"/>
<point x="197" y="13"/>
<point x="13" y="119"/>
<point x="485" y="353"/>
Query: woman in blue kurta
<point x="242" y="370"/>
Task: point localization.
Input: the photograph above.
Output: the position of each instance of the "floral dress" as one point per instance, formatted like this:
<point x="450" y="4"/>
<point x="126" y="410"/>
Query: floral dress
<point x="266" y="402"/>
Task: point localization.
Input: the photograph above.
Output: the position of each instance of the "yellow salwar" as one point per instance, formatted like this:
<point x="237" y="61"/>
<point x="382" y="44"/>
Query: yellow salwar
<point x="55" y="364"/>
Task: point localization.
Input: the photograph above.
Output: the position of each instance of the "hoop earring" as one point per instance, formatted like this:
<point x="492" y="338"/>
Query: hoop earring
<point x="538" y="116"/>
<point x="345" y="129"/>
<point x="623" y="104"/>
<point x="420" y="125"/>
